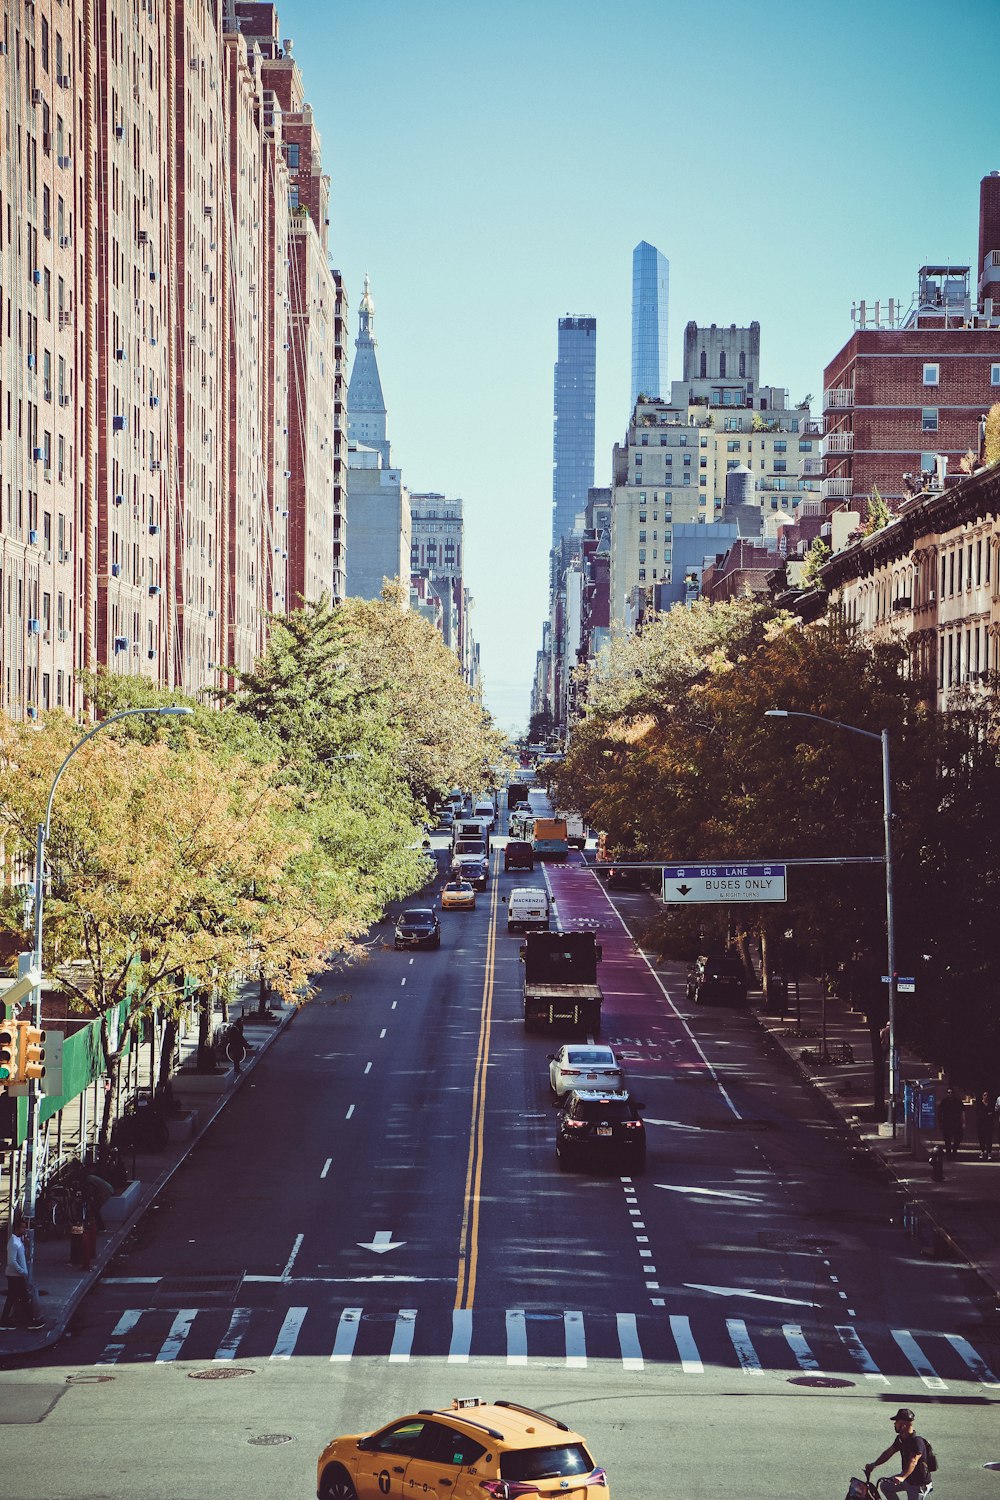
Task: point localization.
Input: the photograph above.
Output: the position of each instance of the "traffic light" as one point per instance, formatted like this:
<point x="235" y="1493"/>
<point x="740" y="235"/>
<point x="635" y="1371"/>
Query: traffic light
<point x="31" y="1057"/>
<point x="9" y="1054"/>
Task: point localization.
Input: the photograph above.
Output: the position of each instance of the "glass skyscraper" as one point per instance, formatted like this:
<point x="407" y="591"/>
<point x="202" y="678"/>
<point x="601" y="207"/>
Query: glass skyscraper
<point x="573" y="428"/>
<point x="650" y="288"/>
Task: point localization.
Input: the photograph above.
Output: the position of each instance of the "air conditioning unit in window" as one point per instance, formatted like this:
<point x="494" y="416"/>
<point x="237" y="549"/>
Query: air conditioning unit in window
<point x="154" y="589"/>
<point x="64" y="242"/>
<point x="37" y="454"/>
<point x="64" y="400"/>
<point x="143" y="236"/>
<point x="154" y="530"/>
<point x="63" y="635"/>
<point x="36" y="96"/>
<point x="63" y="80"/>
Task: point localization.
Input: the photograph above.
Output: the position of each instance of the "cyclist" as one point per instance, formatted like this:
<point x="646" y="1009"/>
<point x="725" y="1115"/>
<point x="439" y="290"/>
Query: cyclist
<point x="913" y="1479"/>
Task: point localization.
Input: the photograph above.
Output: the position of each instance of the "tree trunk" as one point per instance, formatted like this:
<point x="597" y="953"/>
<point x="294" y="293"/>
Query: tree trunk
<point x="206" y="1052"/>
<point x="167" y="1045"/>
<point x="262" y="995"/>
<point x="112" y="1069"/>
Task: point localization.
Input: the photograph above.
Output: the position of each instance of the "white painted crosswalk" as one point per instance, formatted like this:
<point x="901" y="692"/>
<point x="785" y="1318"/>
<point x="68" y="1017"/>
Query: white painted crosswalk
<point x="573" y="1339"/>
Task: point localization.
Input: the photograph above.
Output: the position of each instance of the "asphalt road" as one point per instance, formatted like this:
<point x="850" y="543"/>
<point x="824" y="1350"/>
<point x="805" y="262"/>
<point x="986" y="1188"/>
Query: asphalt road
<point x="377" y="1223"/>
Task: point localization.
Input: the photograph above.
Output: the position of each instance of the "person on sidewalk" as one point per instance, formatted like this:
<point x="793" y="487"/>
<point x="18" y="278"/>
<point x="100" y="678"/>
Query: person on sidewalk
<point x="951" y="1118"/>
<point x="985" y="1123"/>
<point x="236" y="1047"/>
<point x="19" y="1293"/>
<point x="913" y="1479"/>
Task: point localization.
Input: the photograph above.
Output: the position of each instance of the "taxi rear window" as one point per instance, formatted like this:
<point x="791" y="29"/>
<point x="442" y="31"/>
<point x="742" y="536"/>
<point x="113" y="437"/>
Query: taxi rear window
<point x="545" y="1463"/>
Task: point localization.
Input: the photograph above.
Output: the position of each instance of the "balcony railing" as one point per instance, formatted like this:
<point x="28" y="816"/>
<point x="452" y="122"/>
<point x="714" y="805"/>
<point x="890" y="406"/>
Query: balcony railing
<point x="837" y="489"/>
<point x="838" y="442"/>
<point x="838" y="397"/>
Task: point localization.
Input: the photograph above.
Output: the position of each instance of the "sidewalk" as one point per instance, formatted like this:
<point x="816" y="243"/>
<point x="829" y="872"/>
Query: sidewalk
<point x="62" y="1285"/>
<point x="957" y="1219"/>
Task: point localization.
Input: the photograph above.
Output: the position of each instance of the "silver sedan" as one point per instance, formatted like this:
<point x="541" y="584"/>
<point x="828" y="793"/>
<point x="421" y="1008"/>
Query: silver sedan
<point x="576" y="1067"/>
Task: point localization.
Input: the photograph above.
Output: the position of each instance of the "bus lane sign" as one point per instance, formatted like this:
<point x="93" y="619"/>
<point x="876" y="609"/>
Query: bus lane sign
<point x="686" y="885"/>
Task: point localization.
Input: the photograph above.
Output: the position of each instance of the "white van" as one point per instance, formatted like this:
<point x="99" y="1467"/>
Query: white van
<point x="528" y="909"/>
<point x="485" y="811"/>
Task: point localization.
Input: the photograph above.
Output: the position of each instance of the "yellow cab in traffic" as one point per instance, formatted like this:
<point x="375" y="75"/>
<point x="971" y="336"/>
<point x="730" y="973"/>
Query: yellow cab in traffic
<point x="469" y="1451"/>
<point x="458" y="895"/>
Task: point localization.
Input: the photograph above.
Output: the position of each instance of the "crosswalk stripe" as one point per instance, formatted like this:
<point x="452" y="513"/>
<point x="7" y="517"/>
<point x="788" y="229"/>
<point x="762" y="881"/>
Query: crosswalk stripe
<point x="918" y="1359"/>
<point x="797" y="1343"/>
<point x="179" y="1330"/>
<point x="576" y="1341"/>
<point x="347" y="1333"/>
<point x="517" y="1337"/>
<point x="743" y="1345"/>
<point x="238" y="1325"/>
<point x="628" y="1342"/>
<point x="858" y="1352"/>
<point x="125" y="1324"/>
<point x="402" y="1335"/>
<point x="978" y="1366"/>
<point x="686" y="1347"/>
<point x="284" y="1346"/>
<point x="461" y="1336"/>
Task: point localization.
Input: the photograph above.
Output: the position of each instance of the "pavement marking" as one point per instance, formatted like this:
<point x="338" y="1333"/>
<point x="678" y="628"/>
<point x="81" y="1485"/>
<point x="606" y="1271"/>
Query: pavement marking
<point x="368" y="1067"/>
<point x="402" y="1336"/>
<point x="628" y="1342"/>
<point x="289" y="1332"/>
<point x="576" y="1341"/>
<point x="517" y="1337"/>
<point x="411" y="958"/>
<point x="468" y="1240"/>
<point x="737" y="1291"/>
<point x="291" y="1259"/>
<point x="700" y="1192"/>
<point x="329" y="1161"/>
<point x="859" y="1353"/>
<point x="461" y="1335"/>
<point x="743" y="1345"/>
<point x="394" y="1004"/>
<point x="350" y="1111"/>
<point x="179" y="1330"/>
<point x="978" y="1366"/>
<point x="796" y="1341"/>
<point x="690" y="1358"/>
<point x="381" y="1034"/>
<point x="238" y="1325"/>
<point x="918" y="1359"/>
<point x="347" y="1333"/>
<point x="403" y="980"/>
<point x="125" y="1324"/>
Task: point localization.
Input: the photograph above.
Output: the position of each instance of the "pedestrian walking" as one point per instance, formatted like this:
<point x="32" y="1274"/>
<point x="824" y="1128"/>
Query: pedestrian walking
<point x="236" y="1047"/>
<point x="916" y="1459"/>
<point x="985" y="1124"/>
<point x="19" y="1293"/>
<point x="951" y="1118"/>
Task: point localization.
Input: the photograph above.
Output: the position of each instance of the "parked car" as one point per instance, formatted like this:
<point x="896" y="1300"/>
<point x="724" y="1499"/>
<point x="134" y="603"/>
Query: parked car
<point x="717" y="977"/>
<point x="575" y="1067"/>
<point x="518" y="855"/>
<point x="418" y="927"/>
<point x="458" y="895"/>
<point x="468" y="1451"/>
<point x="596" y="1129"/>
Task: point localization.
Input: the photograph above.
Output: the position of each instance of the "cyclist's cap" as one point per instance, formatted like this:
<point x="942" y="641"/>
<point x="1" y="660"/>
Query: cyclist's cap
<point x="904" y="1415"/>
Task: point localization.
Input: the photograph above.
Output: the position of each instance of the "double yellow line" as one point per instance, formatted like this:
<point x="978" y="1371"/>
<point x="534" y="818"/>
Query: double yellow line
<point x="468" y="1244"/>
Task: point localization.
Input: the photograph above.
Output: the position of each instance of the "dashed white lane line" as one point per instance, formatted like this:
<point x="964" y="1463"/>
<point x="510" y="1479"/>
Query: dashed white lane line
<point x="291" y="1259"/>
<point x="368" y="1067"/>
<point x="350" y="1111"/>
<point x="381" y="1034"/>
<point x="329" y="1162"/>
<point x="394" y="1004"/>
<point x="411" y="960"/>
<point x="403" y="980"/>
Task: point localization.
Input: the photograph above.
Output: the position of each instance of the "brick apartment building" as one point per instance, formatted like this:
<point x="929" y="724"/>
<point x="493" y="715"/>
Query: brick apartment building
<point x="172" y="375"/>
<point x="907" y="386"/>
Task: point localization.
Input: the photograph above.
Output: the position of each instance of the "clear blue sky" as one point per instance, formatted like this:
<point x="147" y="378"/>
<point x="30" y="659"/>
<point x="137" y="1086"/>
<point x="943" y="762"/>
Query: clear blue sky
<point x="493" y="166"/>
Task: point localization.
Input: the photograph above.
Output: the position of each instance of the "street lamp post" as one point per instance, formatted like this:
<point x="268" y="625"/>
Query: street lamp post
<point x="35" y="1086"/>
<point x="890" y="925"/>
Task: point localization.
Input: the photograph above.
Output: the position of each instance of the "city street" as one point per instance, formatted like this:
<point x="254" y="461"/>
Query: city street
<point x="377" y="1223"/>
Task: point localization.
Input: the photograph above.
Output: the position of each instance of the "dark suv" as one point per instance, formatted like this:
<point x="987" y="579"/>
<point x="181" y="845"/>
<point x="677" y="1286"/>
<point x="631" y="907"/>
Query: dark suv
<point x="600" y="1129"/>
<point x="717" y="978"/>
<point x="518" y="855"/>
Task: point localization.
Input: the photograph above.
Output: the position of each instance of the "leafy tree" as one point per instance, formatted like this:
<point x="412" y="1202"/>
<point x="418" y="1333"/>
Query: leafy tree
<point x="878" y="515"/>
<point x="991" y="447"/>
<point x="165" y="864"/>
<point x="817" y="555"/>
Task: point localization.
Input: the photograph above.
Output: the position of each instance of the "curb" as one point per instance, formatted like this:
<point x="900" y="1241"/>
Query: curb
<point x="108" y="1251"/>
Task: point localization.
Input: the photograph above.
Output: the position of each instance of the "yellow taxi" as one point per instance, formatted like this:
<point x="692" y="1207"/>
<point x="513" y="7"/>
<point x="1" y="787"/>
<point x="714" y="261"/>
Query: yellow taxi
<point x="468" y="1451"/>
<point x="458" y="895"/>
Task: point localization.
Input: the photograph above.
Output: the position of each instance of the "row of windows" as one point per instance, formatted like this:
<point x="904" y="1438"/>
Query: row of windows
<point x="932" y="374"/>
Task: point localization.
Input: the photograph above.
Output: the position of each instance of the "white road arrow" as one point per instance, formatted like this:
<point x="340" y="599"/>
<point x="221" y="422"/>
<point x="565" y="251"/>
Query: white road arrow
<point x="382" y="1242"/>
<point x="698" y="1192"/>
<point x="738" y="1291"/>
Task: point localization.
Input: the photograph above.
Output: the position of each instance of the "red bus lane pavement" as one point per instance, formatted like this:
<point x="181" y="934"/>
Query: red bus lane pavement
<point x="639" y="1018"/>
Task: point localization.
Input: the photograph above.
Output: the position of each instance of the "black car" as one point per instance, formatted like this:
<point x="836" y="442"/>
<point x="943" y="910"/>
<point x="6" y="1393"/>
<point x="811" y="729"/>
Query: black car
<point x="418" y="928"/>
<point x="600" y="1129"/>
<point x="472" y="867"/>
<point x="717" y="978"/>
<point x="518" y="855"/>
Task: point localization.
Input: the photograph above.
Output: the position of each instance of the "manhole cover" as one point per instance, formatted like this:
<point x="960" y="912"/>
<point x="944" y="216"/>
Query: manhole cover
<point x="224" y="1372"/>
<point x="269" y="1439"/>
<point x="86" y="1378"/>
<point x="824" y="1382"/>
